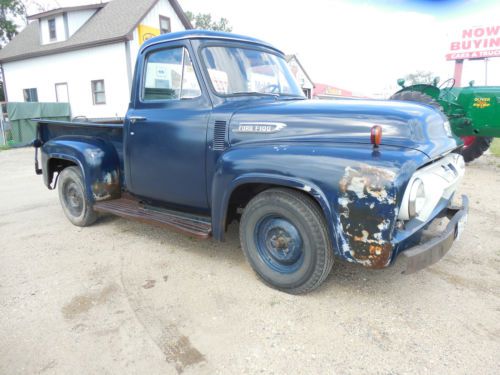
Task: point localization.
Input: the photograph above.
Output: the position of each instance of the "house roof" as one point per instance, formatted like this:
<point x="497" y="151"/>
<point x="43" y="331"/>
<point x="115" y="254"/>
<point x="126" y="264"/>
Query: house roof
<point x="53" y="12"/>
<point x="289" y="58"/>
<point x="113" y="23"/>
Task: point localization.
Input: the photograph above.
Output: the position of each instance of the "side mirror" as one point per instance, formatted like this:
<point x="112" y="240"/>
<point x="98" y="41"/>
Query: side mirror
<point x="471" y="83"/>
<point x="401" y="82"/>
<point x="435" y="81"/>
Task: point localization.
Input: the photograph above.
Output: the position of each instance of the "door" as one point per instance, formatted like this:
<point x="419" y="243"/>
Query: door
<point x="166" y="130"/>
<point x="62" y="95"/>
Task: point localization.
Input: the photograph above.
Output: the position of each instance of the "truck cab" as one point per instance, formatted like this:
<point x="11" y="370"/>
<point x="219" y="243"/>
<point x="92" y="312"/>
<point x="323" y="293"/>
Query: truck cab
<point x="218" y="130"/>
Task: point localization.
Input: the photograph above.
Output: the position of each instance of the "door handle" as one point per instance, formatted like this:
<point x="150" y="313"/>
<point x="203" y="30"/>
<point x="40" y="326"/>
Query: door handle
<point x="134" y="119"/>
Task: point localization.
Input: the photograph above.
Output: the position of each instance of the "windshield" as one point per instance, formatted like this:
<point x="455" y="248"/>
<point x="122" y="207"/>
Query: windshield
<point x="242" y="71"/>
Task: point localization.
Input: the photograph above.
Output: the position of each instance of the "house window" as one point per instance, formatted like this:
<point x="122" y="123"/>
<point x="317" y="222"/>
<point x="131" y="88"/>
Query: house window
<point x="52" y="29"/>
<point x="98" y="93"/>
<point x="30" y="95"/>
<point x="165" y="25"/>
<point x="170" y="75"/>
<point x="62" y="95"/>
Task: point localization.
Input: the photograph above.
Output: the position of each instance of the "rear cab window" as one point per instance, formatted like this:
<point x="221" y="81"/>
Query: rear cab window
<point x="169" y="75"/>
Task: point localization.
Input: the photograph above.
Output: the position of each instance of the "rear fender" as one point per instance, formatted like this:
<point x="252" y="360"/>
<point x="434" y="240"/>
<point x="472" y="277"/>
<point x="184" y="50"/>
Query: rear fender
<point x="97" y="159"/>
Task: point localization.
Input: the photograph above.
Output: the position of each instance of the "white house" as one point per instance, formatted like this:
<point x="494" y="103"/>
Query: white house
<point x="85" y="55"/>
<point x="300" y="75"/>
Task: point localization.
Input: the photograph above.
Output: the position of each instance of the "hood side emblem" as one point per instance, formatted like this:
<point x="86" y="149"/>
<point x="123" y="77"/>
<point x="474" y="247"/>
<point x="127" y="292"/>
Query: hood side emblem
<point x="259" y="127"/>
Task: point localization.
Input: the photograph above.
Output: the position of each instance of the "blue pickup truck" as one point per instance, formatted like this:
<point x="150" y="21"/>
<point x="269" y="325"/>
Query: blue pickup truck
<point x="218" y="130"/>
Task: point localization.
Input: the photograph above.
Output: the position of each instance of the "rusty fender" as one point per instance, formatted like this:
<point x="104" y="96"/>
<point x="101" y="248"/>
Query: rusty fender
<point x="108" y="187"/>
<point x="367" y="208"/>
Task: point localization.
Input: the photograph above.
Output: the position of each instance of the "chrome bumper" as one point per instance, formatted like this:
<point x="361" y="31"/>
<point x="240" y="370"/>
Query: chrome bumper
<point x="431" y="251"/>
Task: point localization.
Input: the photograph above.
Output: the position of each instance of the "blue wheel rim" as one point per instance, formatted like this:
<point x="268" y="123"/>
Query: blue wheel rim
<point x="279" y="244"/>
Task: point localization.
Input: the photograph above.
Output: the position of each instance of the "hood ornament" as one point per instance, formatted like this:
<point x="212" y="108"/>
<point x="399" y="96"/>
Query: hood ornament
<point x="259" y="127"/>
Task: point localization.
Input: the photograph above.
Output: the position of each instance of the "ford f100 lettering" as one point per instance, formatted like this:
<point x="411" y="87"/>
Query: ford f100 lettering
<point x="218" y="130"/>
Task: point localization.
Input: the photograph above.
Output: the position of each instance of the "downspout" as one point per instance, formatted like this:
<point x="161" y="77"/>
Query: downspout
<point x="4" y="86"/>
<point x="2" y="119"/>
<point x="128" y="61"/>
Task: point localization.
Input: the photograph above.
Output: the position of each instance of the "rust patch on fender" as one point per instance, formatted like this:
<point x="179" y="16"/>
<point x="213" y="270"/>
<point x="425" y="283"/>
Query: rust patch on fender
<point x="108" y="187"/>
<point x="367" y="206"/>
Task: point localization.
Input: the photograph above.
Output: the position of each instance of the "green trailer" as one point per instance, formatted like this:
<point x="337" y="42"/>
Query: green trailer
<point x="473" y="111"/>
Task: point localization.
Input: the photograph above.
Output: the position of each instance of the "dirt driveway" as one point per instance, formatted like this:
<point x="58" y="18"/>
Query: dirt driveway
<point x="125" y="298"/>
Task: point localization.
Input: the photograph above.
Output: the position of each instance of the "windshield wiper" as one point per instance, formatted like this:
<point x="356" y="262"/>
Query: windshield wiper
<point x="292" y="96"/>
<point x="254" y="93"/>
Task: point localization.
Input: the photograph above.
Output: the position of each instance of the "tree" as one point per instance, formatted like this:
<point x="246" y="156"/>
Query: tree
<point x="204" y="21"/>
<point x="420" y="76"/>
<point x="9" y="11"/>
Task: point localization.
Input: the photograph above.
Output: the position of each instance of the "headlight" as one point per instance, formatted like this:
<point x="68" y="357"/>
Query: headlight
<point x="416" y="200"/>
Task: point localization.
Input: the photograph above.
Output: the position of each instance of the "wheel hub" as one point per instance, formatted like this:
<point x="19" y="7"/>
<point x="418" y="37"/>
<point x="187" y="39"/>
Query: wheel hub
<point x="279" y="243"/>
<point x="74" y="199"/>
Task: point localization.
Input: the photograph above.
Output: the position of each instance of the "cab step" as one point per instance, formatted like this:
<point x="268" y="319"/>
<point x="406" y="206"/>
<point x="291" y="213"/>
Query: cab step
<point x="129" y="208"/>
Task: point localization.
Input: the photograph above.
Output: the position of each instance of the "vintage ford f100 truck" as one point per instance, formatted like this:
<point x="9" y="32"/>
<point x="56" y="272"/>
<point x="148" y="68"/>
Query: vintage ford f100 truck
<point x="218" y="130"/>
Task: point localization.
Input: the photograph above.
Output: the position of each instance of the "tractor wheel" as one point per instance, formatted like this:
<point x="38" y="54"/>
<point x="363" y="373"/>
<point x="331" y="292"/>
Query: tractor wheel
<point x="474" y="147"/>
<point x="416" y="96"/>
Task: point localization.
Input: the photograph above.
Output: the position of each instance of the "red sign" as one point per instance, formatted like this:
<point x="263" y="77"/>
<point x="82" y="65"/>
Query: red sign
<point x="476" y="43"/>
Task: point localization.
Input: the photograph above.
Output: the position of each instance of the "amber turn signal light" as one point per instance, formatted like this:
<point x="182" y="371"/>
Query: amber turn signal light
<point x="376" y="135"/>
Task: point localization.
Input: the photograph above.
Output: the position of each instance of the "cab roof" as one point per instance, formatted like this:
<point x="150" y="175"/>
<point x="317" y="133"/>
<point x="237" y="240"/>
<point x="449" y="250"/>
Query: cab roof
<point x="206" y="34"/>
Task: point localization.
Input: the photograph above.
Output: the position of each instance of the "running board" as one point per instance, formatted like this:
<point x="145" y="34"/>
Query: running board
<point x="192" y="225"/>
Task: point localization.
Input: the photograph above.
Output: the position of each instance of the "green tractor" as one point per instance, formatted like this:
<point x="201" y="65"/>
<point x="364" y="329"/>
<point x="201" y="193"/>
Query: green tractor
<point x="473" y="112"/>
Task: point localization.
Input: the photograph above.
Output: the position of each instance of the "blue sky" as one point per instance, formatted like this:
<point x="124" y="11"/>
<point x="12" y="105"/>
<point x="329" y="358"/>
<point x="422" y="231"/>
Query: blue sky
<point x="359" y="45"/>
<point x="363" y="45"/>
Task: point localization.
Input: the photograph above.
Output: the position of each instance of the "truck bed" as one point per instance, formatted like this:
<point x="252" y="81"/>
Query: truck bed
<point x="111" y="131"/>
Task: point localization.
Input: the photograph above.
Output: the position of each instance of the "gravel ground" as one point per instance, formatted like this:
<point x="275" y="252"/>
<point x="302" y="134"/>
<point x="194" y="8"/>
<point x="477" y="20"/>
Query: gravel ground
<point x="122" y="297"/>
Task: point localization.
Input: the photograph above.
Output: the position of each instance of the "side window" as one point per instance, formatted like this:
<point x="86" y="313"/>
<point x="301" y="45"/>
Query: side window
<point x="98" y="92"/>
<point x="30" y="95"/>
<point x="165" y="25"/>
<point x="52" y="29"/>
<point x="169" y="75"/>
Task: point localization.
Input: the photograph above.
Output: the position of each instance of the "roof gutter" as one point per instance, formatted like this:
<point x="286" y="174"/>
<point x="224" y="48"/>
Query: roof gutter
<point x="66" y="49"/>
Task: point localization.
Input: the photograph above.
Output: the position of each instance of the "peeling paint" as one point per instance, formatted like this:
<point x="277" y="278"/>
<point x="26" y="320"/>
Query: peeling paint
<point x="107" y="187"/>
<point x="366" y="210"/>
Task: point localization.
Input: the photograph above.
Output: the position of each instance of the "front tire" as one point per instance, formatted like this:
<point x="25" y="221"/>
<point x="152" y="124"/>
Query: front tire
<point x="74" y="201"/>
<point x="285" y="239"/>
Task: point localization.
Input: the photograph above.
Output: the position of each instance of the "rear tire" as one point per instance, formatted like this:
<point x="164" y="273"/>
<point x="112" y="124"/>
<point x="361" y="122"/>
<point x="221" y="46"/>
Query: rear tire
<point x="74" y="201"/>
<point x="476" y="148"/>
<point x="285" y="239"/>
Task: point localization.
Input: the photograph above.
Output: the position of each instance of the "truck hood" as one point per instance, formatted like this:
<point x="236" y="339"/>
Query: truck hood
<point x="403" y="124"/>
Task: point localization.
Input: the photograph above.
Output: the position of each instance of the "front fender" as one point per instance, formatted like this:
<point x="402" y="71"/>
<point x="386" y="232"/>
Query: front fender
<point x="358" y="189"/>
<point x="225" y="189"/>
<point x="97" y="159"/>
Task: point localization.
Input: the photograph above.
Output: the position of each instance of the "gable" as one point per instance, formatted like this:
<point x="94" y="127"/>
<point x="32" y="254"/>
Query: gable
<point x="115" y="22"/>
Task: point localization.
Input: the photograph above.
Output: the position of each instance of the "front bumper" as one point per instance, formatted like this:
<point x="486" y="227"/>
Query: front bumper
<point x="431" y="251"/>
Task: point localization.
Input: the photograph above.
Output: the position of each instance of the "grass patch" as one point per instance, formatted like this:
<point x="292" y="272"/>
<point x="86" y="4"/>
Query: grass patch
<point x="495" y="147"/>
<point x="4" y="147"/>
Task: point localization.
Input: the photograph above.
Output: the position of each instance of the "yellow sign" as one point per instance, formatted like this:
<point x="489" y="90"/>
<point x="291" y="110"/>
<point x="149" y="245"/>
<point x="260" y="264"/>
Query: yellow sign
<point x="146" y="32"/>
<point x="481" y="102"/>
